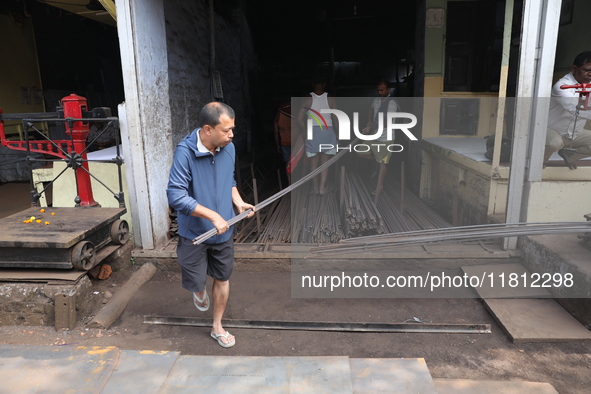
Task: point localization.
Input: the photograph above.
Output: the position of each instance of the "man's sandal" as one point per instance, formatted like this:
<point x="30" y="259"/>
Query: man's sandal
<point x="197" y="301"/>
<point x="218" y="337"/>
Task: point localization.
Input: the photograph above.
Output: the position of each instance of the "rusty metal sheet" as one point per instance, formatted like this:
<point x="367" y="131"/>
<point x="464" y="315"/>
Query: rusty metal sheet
<point x="37" y="369"/>
<point x="66" y="228"/>
<point x="140" y="371"/>
<point x="227" y="374"/>
<point x="389" y="375"/>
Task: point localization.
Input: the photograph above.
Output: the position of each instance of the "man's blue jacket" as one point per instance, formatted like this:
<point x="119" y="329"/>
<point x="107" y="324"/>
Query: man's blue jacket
<point x="205" y="179"/>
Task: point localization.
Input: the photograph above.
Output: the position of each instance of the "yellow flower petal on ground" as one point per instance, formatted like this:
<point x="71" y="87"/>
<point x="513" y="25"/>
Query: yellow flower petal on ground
<point x="46" y="223"/>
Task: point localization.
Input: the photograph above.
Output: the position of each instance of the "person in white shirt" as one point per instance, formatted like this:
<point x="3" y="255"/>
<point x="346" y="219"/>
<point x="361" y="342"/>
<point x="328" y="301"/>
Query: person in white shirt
<point x="381" y="105"/>
<point x="564" y="132"/>
<point x="318" y="100"/>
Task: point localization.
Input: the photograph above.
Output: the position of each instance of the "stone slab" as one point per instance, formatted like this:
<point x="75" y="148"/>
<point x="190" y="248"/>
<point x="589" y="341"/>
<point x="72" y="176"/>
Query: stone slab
<point x="140" y="371"/>
<point x="536" y="320"/>
<point x="222" y="374"/>
<point x="498" y="286"/>
<point x="35" y="369"/>
<point x="468" y="386"/>
<point x="381" y="375"/>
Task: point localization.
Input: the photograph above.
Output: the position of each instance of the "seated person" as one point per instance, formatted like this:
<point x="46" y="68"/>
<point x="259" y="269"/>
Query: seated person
<point x="571" y="141"/>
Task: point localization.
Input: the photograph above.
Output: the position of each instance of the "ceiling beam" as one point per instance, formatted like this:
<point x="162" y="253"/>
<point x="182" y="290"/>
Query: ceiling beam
<point x="109" y="5"/>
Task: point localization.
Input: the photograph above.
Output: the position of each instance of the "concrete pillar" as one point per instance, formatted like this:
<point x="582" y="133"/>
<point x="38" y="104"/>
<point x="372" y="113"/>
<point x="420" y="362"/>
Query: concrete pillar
<point x="536" y="64"/>
<point x="145" y="116"/>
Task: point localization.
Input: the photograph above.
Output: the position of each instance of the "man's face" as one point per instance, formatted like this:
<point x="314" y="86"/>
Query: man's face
<point x="383" y="91"/>
<point x="583" y="74"/>
<point x="223" y="132"/>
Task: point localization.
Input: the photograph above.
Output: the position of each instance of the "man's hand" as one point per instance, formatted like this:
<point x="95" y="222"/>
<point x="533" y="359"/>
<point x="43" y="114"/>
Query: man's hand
<point x="241" y="206"/>
<point x="244" y="207"/>
<point x="220" y="224"/>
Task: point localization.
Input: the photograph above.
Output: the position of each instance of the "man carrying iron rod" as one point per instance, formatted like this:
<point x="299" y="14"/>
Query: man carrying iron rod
<point x="566" y="133"/>
<point x="202" y="189"/>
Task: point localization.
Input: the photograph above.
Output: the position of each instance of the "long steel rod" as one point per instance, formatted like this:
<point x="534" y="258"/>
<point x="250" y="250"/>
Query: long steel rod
<point x="274" y="197"/>
<point x="469" y="235"/>
<point x="401" y="240"/>
<point x="439" y="328"/>
<point x="461" y="229"/>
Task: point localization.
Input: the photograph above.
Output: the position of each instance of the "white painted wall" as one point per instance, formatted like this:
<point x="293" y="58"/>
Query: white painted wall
<point x="559" y="201"/>
<point x="64" y="187"/>
<point x="146" y="127"/>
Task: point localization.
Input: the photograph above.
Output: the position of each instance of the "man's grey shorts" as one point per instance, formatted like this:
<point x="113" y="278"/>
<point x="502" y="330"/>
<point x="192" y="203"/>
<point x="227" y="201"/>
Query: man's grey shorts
<point x="198" y="261"/>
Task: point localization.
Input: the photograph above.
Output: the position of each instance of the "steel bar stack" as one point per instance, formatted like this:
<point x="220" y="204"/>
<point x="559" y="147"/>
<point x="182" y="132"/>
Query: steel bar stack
<point x="361" y="217"/>
<point x="321" y="223"/>
<point x="394" y="219"/>
<point x="454" y="234"/>
<point x="277" y="224"/>
<point x="414" y="215"/>
<point x="320" y="218"/>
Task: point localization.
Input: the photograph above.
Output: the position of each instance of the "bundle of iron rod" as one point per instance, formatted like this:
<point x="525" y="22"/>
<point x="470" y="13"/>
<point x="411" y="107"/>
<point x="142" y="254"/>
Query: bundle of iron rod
<point x="321" y="221"/>
<point x="277" y="224"/>
<point x="408" y="213"/>
<point x="330" y="229"/>
<point x="361" y="216"/>
<point x="466" y="233"/>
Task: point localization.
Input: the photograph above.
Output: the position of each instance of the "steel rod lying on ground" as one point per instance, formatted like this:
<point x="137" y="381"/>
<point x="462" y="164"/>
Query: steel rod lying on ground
<point x="441" y="328"/>
<point x="479" y="232"/>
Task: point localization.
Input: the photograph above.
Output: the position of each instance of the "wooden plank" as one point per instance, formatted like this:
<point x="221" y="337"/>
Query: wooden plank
<point x="66" y="228"/>
<point x="39" y="275"/>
